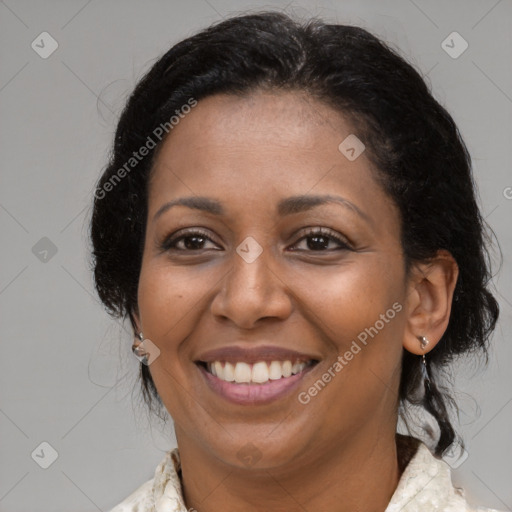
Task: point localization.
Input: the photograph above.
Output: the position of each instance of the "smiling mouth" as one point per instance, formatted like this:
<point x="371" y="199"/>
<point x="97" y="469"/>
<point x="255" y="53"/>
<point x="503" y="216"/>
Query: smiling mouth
<point x="260" y="372"/>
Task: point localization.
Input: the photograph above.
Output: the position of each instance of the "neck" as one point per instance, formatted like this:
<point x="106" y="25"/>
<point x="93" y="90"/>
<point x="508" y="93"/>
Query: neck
<point x="357" y="476"/>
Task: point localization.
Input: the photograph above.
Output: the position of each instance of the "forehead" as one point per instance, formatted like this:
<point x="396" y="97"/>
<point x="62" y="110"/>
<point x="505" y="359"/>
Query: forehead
<point x="254" y="149"/>
<point x="226" y="119"/>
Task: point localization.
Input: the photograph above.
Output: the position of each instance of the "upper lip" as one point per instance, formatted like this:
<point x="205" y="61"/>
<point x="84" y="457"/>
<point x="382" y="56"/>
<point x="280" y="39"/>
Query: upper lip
<point x="253" y="355"/>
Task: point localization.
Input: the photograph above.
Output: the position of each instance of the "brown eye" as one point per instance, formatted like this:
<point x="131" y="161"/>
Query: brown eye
<point x="318" y="240"/>
<point x="193" y="240"/>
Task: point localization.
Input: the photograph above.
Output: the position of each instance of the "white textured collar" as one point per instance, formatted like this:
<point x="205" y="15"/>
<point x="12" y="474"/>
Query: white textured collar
<point x="425" y="486"/>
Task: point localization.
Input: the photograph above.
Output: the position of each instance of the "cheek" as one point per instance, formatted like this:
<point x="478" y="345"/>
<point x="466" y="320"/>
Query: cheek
<point x="169" y="298"/>
<point x="350" y="297"/>
<point x="358" y="310"/>
<point x="360" y="314"/>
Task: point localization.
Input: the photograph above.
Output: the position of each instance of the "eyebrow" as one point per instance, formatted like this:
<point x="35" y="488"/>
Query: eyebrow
<point x="288" y="206"/>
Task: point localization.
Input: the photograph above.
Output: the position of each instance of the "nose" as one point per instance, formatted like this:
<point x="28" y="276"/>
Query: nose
<point x="251" y="292"/>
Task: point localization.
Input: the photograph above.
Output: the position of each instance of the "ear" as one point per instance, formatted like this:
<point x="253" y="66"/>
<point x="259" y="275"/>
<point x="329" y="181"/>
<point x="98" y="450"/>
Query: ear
<point x="429" y="301"/>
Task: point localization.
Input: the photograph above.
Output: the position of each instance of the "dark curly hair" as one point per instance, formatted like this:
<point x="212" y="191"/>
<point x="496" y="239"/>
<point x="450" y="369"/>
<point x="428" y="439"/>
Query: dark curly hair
<point x="421" y="160"/>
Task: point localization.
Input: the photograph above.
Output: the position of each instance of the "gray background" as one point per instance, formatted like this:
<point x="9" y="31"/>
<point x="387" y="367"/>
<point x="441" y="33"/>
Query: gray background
<point x="67" y="373"/>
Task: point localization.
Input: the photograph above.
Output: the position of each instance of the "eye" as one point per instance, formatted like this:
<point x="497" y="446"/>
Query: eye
<point x="320" y="239"/>
<point x="191" y="240"/>
<point x="194" y="240"/>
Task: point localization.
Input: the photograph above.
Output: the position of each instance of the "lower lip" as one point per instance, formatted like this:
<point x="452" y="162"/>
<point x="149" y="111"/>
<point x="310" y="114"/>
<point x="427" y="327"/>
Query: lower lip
<point x="251" y="394"/>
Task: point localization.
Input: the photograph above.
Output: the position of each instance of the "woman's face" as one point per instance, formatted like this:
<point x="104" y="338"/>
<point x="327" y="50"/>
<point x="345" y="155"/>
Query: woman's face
<point x="261" y="269"/>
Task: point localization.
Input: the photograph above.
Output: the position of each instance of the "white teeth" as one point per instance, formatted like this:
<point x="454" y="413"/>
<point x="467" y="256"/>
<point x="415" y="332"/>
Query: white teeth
<point x="259" y="372"/>
<point x="287" y="369"/>
<point x="297" y="368"/>
<point x="217" y="368"/>
<point x="229" y="372"/>
<point x="275" y="370"/>
<point x="243" y="372"/>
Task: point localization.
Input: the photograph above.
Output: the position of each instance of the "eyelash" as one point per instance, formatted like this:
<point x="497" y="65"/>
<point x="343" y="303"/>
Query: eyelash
<point x="170" y="242"/>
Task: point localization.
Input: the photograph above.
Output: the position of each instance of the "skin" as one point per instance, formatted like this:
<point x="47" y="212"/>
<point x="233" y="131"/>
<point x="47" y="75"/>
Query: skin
<point x="249" y="153"/>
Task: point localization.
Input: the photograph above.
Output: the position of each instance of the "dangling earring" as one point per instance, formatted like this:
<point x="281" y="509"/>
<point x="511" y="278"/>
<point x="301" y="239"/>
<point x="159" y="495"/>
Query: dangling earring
<point x="138" y="348"/>
<point x="424" y="370"/>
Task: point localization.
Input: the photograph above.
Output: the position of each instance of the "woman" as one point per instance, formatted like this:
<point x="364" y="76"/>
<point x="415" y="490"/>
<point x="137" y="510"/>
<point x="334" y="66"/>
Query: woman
<point x="289" y="222"/>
